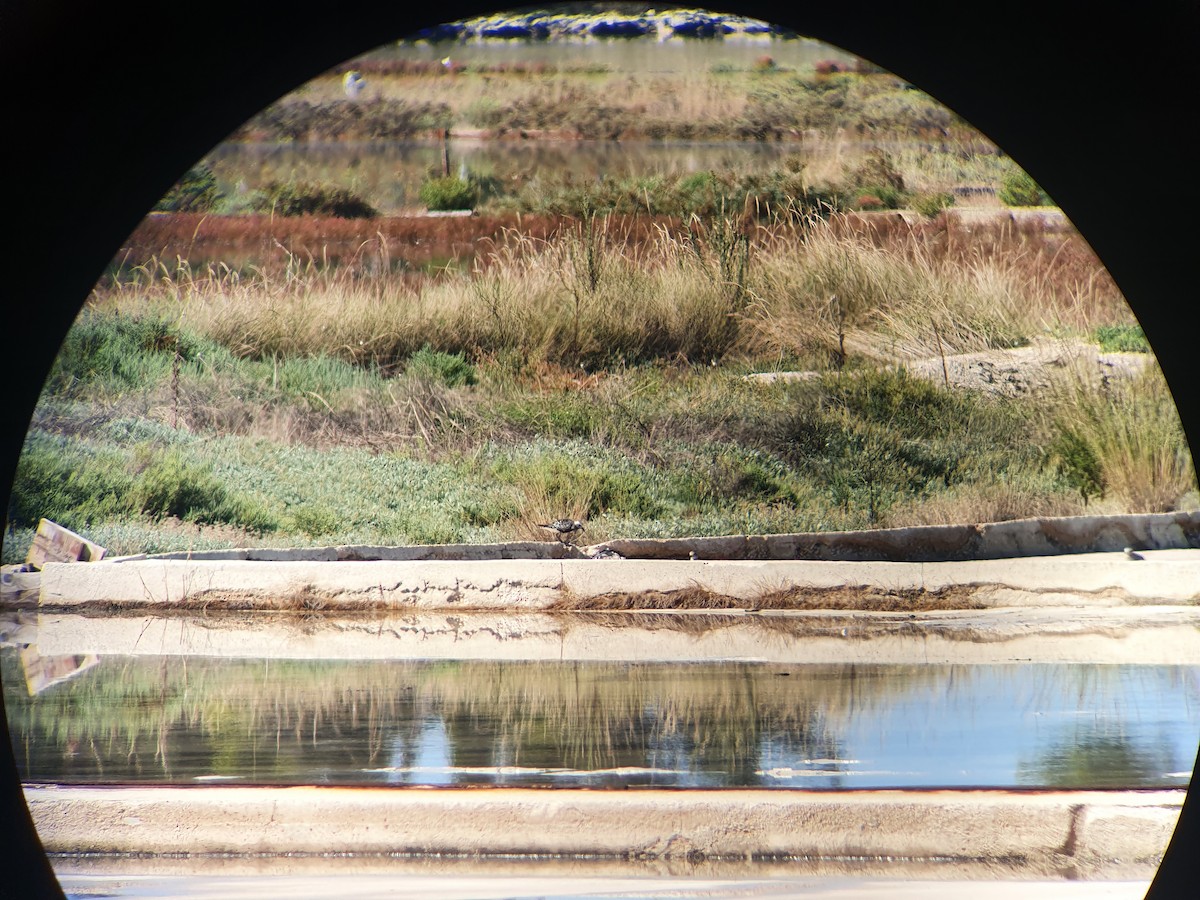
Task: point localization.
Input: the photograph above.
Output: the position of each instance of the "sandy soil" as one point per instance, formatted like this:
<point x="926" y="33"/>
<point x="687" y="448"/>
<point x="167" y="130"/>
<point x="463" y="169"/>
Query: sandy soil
<point x="1019" y="372"/>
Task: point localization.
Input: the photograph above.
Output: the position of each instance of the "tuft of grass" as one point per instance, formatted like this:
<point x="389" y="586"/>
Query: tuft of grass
<point x="1124" y="440"/>
<point x="196" y="191"/>
<point x="71" y="482"/>
<point x="879" y="439"/>
<point x="450" y="369"/>
<point x="117" y="352"/>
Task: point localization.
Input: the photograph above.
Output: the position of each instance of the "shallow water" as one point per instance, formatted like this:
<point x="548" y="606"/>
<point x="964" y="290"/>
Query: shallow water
<point x="201" y="719"/>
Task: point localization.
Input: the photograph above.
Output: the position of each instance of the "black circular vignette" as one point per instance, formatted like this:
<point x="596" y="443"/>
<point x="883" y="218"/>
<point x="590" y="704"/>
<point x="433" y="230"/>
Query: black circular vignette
<point x="107" y="104"/>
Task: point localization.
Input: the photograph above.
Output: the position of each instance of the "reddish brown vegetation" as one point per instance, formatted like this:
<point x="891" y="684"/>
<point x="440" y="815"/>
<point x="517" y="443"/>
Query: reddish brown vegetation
<point x="414" y="242"/>
<point x="264" y="241"/>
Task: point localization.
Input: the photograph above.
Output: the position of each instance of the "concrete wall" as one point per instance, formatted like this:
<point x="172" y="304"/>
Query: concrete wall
<point x="941" y="543"/>
<point x="1083" y="834"/>
<point x="1171" y="576"/>
<point x="928" y="543"/>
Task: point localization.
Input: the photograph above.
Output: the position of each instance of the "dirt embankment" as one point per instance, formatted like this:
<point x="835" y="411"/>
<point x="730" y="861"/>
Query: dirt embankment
<point x="1020" y="372"/>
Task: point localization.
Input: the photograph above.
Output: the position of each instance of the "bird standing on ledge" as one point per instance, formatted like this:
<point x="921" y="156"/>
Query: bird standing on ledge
<point x="563" y="528"/>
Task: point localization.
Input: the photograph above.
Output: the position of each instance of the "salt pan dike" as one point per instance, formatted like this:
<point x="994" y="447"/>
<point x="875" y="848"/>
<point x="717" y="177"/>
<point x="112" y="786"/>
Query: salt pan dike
<point x="1074" y="561"/>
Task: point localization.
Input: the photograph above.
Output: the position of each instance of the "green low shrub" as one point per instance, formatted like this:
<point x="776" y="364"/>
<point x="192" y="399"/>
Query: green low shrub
<point x="314" y="521"/>
<point x="1122" y="339"/>
<point x="876" y="438"/>
<point x="306" y="199"/>
<point x="70" y="483"/>
<point x="118" y="352"/>
<point x="169" y="486"/>
<point x="447" y="193"/>
<point x="450" y="369"/>
<point x="1077" y="463"/>
<point x="1019" y="189"/>
<point x="196" y="191"/>
<point x="930" y="203"/>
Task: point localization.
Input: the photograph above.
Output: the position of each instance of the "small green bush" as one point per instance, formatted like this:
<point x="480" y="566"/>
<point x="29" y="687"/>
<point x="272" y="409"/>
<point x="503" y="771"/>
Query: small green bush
<point x="876" y="438"/>
<point x="69" y="483"/>
<point x="306" y="199"/>
<point x="196" y="191"/>
<point x="1077" y="463"/>
<point x="447" y="193"/>
<point x="1019" y="189"/>
<point x="170" y="485"/>
<point x="117" y="351"/>
<point x="624" y="493"/>
<point x="450" y="369"/>
<point x="700" y="193"/>
<point x="876" y="182"/>
<point x="314" y="521"/>
<point x="930" y="203"/>
<point x="1122" y="339"/>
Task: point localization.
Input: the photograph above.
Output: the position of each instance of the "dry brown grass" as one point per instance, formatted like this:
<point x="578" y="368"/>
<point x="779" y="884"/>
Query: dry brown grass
<point x="1133" y="429"/>
<point x="984" y="503"/>
<point x="557" y="291"/>
<point x="695" y="597"/>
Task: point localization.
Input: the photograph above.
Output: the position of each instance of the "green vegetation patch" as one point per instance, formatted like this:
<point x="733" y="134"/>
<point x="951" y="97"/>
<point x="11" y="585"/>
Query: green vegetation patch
<point x="197" y="191"/>
<point x="450" y="369"/>
<point x="875" y="439"/>
<point x="448" y="193"/>
<point x="78" y="483"/>
<point x="307" y="199"/>
<point x="1122" y="339"/>
<point x="1020" y="189"/>
<point x="118" y="352"/>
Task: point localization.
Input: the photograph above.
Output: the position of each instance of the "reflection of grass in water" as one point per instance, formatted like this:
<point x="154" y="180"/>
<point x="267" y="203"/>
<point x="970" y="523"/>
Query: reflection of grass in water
<point x="282" y="717"/>
<point x="785" y="596"/>
<point x="1093" y="749"/>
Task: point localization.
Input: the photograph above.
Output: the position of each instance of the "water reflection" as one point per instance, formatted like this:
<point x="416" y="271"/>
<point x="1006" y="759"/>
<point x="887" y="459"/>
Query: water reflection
<point x="184" y="719"/>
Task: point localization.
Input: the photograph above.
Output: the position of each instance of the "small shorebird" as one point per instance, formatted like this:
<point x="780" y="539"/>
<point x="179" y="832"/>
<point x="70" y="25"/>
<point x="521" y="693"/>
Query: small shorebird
<point x="1133" y="554"/>
<point x="563" y="528"/>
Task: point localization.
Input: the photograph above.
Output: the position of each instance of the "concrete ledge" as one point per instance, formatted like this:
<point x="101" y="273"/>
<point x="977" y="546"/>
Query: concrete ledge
<point x="365" y="552"/>
<point x="1035" y="833"/>
<point x="1170" y="576"/>
<point x="940" y="543"/>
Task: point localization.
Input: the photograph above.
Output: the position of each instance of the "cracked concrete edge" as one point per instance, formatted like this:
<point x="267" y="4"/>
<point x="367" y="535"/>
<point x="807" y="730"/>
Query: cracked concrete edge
<point x="1163" y="576"/>
<point x="1088" y="832"/>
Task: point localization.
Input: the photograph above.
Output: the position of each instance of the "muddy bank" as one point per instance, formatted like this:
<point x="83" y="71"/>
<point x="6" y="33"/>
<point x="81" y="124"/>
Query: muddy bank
<point x="1079" y="834"/>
